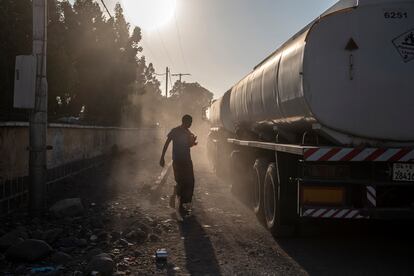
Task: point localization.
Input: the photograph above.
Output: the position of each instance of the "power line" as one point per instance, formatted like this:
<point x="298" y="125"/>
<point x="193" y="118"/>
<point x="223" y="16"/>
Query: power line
<point x="158" y="74"/>
<point x="107" y="10"/>
<point x="164" y="47"/>
<point x="180" y="42"/>
<point x="154" y="57"/>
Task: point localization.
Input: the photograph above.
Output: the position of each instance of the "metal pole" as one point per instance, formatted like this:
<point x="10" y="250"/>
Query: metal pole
<point x="166" y="81"/>
<point x="38" y="116"/>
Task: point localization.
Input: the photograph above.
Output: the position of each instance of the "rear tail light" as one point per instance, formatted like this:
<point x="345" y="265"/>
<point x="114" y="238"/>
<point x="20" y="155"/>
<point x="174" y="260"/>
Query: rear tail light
<point x="322" y="195"/>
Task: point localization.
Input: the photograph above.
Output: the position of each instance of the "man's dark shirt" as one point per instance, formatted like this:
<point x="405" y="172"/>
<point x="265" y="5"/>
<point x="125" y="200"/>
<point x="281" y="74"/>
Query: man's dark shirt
<point x="181" y="138"/>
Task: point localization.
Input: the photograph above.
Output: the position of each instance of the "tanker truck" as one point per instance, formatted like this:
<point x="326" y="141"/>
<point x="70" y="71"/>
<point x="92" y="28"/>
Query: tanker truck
<point x="322" y="129"/>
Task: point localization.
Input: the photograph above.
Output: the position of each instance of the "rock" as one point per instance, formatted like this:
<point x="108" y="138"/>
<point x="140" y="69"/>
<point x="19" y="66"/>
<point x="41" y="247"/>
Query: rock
<point x="101" y="263"/>
<point x="72" y="242"/>
<point x="158" y="230"/>
<point x="92" y="253"/>
<point x="122" y="266"/>
<point x="67" y="249"/>
<point x="115" y="236"/>
<point x="97" y="223"/>
<point x="61" y="258"/>
<point x="21" y="270"/>
<point x="137" y="236"/>
<point x="123" y="242"/>
<point x="70" y="207"/>
<point x="68" y="242"/>
<point x="22" y="232"/>
<point x="50" y="236"/>
<point x="138" y="253"/>
<point x="37" y="234"/>
<point x="81" y="242"/>
<point x="36" y="221"/>
<point x="103" y="236"/>
<point x="12" y="238"/>
<point x="119" y="273"/>
<point x="154" y="238"/>
<point x="93" y="238"/>
<point x="29" y="250"/>
<point x="142" y="226"/>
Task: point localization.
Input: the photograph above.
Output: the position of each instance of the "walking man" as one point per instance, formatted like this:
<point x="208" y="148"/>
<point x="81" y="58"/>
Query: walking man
<point x="182" y="140"/>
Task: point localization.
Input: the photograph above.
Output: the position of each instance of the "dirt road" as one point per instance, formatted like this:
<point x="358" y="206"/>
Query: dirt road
<point x="222" y="237"/>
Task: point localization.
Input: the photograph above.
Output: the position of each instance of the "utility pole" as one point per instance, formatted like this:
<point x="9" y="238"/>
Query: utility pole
<point x="38" y="116"/>
<point x="167" y="71"/>
<point x="180" y="75"/>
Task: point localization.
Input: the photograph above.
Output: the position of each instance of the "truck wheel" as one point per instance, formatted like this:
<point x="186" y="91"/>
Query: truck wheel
<point x="275" y="213"/>
<point x="241" y="175"/>
<point x="259" y="173"/>
<point x="235" y="170"/>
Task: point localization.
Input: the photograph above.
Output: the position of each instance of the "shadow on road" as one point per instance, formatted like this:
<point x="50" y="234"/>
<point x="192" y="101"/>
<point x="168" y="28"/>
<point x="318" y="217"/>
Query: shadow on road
<point x="369" y="248"/>
<point x="200" y="254"/>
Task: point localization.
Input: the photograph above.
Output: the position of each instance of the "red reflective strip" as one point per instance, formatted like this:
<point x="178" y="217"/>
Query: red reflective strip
<point x="375" y="155"/>
<point x="329" y="154"/>
<point x="400" y="155"/>
<point x="356" y="214"/>
<point x="309" y="152"/>
<point x="351" y="155"/>
<point x="336" y="212"/>
<point x="371" y="194"/>
<point x="346" y="213"/>
<point x="314" y="210"/>
<point x="323" y="213"/>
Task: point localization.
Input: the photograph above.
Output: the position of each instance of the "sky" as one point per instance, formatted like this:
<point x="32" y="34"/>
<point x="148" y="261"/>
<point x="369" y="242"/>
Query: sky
<point x="221" y="40"/>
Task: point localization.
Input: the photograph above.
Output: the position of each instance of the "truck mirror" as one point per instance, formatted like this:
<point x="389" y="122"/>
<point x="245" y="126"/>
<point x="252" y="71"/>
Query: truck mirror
<point x="205" y="115"/>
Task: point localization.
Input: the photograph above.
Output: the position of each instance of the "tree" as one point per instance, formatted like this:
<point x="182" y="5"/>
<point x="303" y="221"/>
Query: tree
<point x="15" y="39"/>
<point x="189" y="98"/>
<point x="62" y="75"/>
<point x="95" y="66"/>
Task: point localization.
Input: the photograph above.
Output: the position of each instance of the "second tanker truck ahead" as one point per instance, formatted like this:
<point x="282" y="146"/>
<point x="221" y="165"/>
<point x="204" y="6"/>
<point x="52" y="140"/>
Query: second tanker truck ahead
<point x="323" y="128"/>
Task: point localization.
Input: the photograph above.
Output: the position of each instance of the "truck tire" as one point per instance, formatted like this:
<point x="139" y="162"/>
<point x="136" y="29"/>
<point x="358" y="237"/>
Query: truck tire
<point x="241" y="175"/>
<point x="211" y="153"/>
<point x="276" y="213"/>
<point x="259" y="173"/>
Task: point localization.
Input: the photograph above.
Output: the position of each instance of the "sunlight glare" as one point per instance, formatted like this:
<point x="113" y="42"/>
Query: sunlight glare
<point x="149" y="14"/>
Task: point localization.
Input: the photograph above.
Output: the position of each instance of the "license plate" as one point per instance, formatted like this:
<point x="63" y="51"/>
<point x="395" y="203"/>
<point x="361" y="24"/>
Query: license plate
<point x="403" y="172"/>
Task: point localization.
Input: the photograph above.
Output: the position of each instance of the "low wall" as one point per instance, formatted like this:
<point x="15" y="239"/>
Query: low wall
<point x="71" y="145"/>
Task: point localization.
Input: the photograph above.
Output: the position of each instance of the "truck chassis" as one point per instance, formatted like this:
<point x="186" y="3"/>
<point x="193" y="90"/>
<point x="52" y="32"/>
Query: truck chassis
<point x="290" y="183"/>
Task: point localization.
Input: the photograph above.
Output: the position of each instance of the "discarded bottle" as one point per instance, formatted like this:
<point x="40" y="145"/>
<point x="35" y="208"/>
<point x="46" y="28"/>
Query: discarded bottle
<point x="45" y="269"/>
<point x="161" y="255"/>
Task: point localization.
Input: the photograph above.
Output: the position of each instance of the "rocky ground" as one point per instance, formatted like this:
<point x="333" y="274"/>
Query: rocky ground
<point x="118" y="218"/>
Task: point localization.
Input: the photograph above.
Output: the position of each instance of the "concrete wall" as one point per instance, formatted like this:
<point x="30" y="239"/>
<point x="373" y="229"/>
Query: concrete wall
<point x="71" y="144"/>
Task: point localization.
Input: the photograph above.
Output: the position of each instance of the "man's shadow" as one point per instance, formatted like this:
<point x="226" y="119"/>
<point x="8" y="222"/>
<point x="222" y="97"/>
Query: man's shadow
<point x="200" y="254"/>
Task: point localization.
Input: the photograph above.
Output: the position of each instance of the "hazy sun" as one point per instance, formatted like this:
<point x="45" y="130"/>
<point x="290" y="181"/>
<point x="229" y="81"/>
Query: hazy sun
<point x="149" y="14"/>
